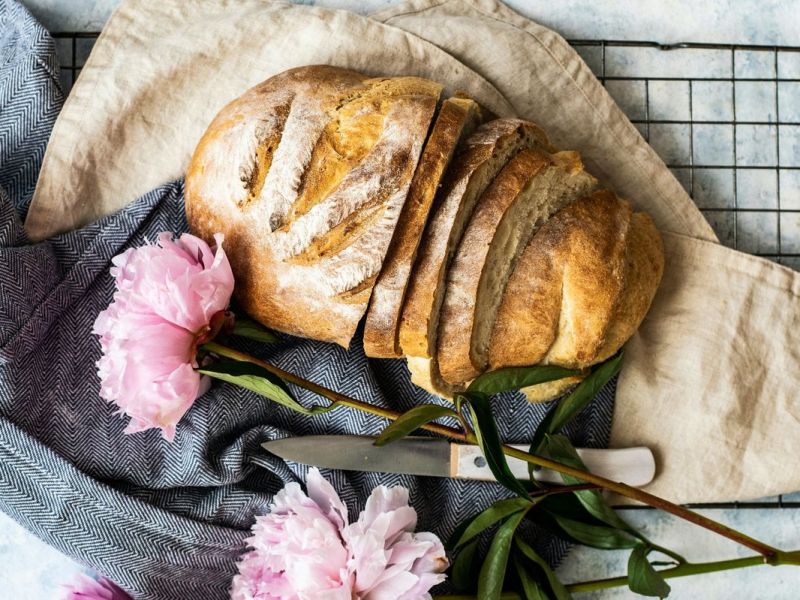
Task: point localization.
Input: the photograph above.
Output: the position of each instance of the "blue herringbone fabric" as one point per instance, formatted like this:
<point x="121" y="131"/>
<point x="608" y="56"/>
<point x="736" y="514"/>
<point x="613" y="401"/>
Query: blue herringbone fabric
<point x="165" y="520"/>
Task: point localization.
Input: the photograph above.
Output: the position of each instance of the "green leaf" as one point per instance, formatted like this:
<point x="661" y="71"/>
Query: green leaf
<point x="411" y="420"/>
<point x="253" y="330"/>
<point x="567" y="408"/>
<point x="481" y="522"/>
<point x="642" y="577"/>
<point x="464" y="572"/>
<point x="515" y="378"/>
<point x="586" y="390"/>
<point x="560" y="449"/>
<point x="260" y="381"/>
<point x="493" y="571"/>
<point x="596" y="536"/>
<point x="531" y="589"/>
<point x="490" y="443"/>
<point x="558" y="589"/>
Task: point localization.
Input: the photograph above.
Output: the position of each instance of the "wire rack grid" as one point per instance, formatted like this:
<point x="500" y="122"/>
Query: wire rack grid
<point x="724" y="118"/>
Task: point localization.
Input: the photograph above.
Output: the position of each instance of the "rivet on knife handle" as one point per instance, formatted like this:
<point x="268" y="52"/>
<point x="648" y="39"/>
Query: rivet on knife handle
<point x="633" y="466"/>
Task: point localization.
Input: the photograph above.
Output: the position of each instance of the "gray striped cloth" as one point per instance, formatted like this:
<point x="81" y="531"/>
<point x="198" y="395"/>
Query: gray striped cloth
<point x="165" y="520"/>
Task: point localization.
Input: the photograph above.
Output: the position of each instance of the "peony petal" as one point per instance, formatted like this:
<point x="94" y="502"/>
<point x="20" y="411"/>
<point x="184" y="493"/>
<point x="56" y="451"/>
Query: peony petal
<point x="393" y="588"/>
<point x="323" y="494"/>
<point x="86" y="588"/>
<point x="384" y="500"/>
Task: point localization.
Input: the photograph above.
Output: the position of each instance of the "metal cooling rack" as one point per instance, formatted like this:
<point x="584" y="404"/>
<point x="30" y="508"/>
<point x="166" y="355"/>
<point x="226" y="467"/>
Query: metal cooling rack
<point x="725" y="119"/>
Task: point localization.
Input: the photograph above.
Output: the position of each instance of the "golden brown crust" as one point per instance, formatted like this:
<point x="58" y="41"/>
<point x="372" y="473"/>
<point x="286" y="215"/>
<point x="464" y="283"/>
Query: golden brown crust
<point x="482" y="157"/>
<point x="457" y="118"/>
<point x="562" y="296"/>
<point x="305" y="175"/>
<point x="644" y="258"/>
<point x="644" y="267"/>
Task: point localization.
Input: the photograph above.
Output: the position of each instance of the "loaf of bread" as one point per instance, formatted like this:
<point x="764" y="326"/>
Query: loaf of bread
<point x="306" y="175"/>
<point x="473" y="247"/>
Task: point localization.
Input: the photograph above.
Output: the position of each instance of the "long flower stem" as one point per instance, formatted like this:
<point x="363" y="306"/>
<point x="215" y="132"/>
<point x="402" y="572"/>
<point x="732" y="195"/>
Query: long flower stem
<point x="563" y="489"/>
<point x="768" y="552"/>
<point x="683" y="570"/>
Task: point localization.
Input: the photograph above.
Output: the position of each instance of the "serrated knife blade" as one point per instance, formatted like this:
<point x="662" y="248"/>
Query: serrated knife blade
<point x="433" y="457"/>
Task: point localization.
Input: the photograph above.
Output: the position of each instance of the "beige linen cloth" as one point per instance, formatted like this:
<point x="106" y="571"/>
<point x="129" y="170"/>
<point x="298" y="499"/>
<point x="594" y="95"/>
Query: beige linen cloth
<point x="711" y="381"/>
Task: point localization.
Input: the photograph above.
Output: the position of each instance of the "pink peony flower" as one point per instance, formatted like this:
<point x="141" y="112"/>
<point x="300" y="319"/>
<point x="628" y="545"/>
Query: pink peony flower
<point x="170" y="295"/>
<point x="305" y="549"/>
<point x="86" y="588"/>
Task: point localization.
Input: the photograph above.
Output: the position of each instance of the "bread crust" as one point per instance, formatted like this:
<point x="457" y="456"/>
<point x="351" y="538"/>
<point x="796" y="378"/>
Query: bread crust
<point x="305" y="175"/>
<point x="644" y="267"/>
<point x="566" y="287"/>
<point x="456" y="120"/>
<point x="596" y="256"/>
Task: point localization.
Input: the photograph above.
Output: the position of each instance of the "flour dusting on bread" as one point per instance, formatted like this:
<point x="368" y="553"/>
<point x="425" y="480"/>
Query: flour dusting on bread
<point x="474" y="246"/>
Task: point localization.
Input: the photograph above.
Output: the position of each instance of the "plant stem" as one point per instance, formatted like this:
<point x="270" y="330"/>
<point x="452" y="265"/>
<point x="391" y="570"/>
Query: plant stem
<point x="336" y="397"/>
<point x="768" y="552"/>
<point x="683" y="570"/>
<point x="563" y="489"/>
<point x="645" y="497"/>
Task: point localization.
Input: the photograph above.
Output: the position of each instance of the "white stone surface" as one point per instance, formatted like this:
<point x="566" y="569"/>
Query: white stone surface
<point x="665" y="21"/>
<point x="31" y="570"/>
<point x="780" y="527"/>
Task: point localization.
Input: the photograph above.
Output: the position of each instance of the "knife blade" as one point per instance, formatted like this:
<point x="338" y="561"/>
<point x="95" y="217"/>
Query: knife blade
<point x="433" y="457"/>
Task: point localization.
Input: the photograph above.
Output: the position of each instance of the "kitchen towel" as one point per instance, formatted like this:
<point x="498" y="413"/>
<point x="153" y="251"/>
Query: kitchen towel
<point x="713" y="372"/>
<point x="165" y="520"/>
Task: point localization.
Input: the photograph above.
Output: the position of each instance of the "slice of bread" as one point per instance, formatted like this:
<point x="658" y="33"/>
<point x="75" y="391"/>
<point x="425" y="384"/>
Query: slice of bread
<point x="305" y="175"/>
<point x="528" y="191"/>
<point x="456" y="120"/>
<point x="484" y="154"/>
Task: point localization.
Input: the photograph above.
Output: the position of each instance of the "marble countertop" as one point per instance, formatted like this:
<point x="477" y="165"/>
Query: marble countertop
<point x="31" y="570"/>
<point x="665" y="21"/>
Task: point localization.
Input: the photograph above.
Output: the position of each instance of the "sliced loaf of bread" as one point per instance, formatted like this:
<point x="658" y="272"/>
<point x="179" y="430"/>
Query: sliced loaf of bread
<point x="528" y="191"/>
<point x="456" y="120"/>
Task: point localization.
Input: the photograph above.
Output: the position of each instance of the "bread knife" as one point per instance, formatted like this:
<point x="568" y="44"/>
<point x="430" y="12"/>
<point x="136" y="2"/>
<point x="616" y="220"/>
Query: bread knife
<point x="433" y="457"/>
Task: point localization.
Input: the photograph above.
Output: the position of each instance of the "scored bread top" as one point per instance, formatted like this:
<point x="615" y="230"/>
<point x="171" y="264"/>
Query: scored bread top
<point x="456" y="119"/>
<point x="305" y="175"/>
<point x="531" y="187"/>
<point x="567" y="287"/>
<point x="476" y="165"/>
